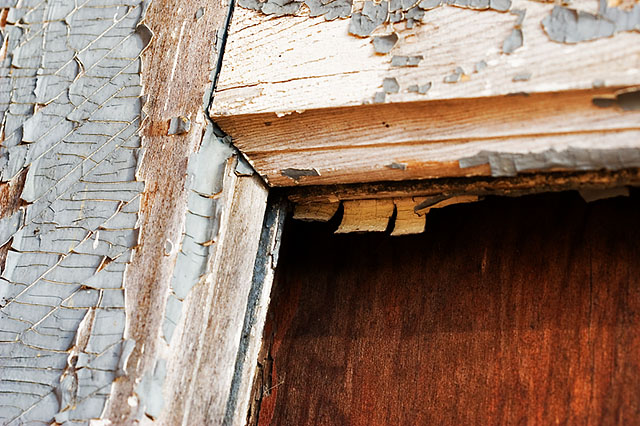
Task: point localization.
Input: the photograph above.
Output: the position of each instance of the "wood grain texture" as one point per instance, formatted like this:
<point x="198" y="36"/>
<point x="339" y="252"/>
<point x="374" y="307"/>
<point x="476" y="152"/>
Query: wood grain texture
<point x="296" y="63"/>
<point x="199" y="385"/>
<point x="175" y="82"/>
<point x="9" y="204"/>
<point x="366" y="216"/>
<point x="524" y="184"/>
<point x="525" y="314"/>
<point x="423" y="140"/>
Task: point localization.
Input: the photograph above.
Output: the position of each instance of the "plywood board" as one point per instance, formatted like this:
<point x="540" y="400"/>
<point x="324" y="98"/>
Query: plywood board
<point x="524" y="314"/>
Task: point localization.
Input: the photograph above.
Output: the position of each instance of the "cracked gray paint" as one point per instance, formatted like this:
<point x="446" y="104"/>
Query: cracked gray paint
<point x="513" y="42"/>
<point x="71" y="107"/>
<point x="510" y="164"/>
<point x="384" y="44"/>
<point x="567" y="25"/>
<point x="372" y="16"/>
<point x="205" y="175"/>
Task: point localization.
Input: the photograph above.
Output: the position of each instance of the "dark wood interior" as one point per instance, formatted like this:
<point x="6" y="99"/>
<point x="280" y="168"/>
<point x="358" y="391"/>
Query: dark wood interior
<point x="507" y="311"/>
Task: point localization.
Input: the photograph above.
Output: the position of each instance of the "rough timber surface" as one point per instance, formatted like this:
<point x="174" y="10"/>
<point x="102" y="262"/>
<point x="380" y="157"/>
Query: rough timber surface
<point x="101" y="244"/>
<point x="421" y="140"/>
<point x="524" y="315"/>
<point x="324" y="92"/>
<point x="297" y="63"/>
<point x="176" y="84"/>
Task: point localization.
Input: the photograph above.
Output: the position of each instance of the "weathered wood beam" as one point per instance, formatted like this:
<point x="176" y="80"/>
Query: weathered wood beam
<point x="405" y="90"/>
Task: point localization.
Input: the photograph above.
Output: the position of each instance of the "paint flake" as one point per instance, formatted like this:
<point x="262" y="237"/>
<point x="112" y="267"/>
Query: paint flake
<point x="71" y="109"/>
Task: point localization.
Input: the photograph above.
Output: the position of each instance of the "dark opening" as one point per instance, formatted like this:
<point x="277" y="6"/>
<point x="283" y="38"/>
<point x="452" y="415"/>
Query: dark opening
<point x="505" y="311"/>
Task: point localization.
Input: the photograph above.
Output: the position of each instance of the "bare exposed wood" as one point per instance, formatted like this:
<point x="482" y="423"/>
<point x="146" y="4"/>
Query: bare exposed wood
<point x="199" y="383"/>
<point x="9" y="204"/>
<point x="176" y="83"/>
<point x="513" y="186"/>
<point x="461" y="199"/>
<point x="366" y="216"/>
<point x="407" y="220"/>
<point x="321" y="212"/>
<point x="428" y="139"/>
<point x="296" y="63"/>
<point x="246" y="367"/>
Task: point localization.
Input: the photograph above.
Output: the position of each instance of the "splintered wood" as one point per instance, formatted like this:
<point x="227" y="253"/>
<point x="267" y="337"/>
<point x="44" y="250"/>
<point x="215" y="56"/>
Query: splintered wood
<point x="408" y="221"/>
<point x="318" y="212"/>
<point x="425" y="208"/>
<point x="373" y="215"/>
<point x="365" y="216"/>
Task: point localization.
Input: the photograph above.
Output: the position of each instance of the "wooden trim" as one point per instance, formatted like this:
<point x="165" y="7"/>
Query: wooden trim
<point x="510" y="186"/>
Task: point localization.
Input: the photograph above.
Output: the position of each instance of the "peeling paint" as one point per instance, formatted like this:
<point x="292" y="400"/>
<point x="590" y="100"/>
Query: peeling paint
<point x="71" y="106"/>
<point x="397" y="166"/>
<point x="379" y="97"/>
<point x="384" y="44"/>
<point x="480" y="66"/>
<point x="243" y="168"/>
<point x="567" y="25"/>
<point x="390" y="85"/>
<point x="179" y="126"/>
<point x="455" y="76"/>
<point x="406" y="61"/>
<point x="204" y="182"/>
<point x="513" y="42"/>
<point x="627" y="100"/>
<point x="297" y="174"/>
<point x="574" y="158"/>
<point x="522" y="76"/>
<point x="422" y="89"/>
<point x="149" y="390"/>
<point x="372" y="16"/>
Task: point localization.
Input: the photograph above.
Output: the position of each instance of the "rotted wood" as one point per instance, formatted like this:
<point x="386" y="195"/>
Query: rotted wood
<point x="524" y="314"/>
<point x="510" y="185"/>
<point x="440" y="138"/>
<point x="369" y="91"/>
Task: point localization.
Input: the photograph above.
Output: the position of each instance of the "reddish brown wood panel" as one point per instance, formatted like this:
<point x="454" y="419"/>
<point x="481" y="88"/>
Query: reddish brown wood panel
<point x="507" y="311"/>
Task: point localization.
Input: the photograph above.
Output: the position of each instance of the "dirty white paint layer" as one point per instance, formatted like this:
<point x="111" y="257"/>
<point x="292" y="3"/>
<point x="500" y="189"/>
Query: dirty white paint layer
<point x="70" y="98"/>
<point x="206" y="168"/>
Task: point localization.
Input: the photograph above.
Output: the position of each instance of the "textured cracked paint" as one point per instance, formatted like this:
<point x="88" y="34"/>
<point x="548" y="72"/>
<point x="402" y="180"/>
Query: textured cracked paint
<point x="574" y="158"/>
<point x="206" y="168"/>
<point x="70" y="98"/>
<point x="368" y="18"/>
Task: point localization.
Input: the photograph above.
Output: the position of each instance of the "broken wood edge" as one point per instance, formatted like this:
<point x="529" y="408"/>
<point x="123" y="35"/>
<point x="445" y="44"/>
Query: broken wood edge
<point x="370" y="215"/>
<point x="315" y="212"/>
<point x="522" y="184"/>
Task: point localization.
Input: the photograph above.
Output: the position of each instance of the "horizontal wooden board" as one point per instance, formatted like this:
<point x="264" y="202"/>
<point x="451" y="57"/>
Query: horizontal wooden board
<point x="420" y="140"/>
<point x="294" y="63"/>
<point x="524" y="184"/>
